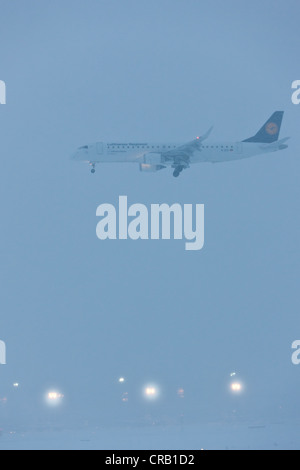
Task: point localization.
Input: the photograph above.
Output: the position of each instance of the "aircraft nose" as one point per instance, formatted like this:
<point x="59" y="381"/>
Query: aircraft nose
<point x="75" y="156"/>
<point x="80" y="154"/>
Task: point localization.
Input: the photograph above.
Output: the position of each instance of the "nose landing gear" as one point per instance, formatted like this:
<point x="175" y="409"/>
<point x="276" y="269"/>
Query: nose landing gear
<point x="93" y="170"/>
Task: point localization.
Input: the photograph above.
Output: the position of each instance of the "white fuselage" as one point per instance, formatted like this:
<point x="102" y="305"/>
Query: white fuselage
<point x="147" y="152"/>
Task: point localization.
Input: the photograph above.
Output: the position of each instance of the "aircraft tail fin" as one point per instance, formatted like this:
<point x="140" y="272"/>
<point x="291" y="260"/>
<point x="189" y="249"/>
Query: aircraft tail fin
<point x="270" y="131"/>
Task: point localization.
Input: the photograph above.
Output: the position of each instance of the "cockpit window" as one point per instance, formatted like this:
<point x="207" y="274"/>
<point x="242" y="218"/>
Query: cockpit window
<point x="85" y="147"/>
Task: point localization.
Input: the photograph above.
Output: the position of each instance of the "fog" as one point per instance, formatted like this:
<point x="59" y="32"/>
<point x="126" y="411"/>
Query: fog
<point x="78" y="313"/>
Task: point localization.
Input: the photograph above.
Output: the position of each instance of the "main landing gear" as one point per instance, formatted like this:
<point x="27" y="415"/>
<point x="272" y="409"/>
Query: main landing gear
<point x="178" y="170"/>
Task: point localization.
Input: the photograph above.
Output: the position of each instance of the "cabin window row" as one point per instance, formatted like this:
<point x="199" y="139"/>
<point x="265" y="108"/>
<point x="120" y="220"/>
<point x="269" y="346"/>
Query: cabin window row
<point x="163" y="147"/>
<point x="141" y="147"/>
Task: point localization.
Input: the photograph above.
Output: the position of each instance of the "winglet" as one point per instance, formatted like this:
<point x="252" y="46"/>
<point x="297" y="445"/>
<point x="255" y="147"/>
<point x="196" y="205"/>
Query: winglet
<point x="205" y="136"/>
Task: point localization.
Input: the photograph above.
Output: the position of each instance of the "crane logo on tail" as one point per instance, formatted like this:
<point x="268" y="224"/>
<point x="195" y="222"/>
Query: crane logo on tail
<point x="272" y="128"/>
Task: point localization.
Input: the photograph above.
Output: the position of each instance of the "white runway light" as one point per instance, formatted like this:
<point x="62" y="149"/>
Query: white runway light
<point x="236" y="387"/>
<point x="151" y="392"/>
<point x="54" y="398"/>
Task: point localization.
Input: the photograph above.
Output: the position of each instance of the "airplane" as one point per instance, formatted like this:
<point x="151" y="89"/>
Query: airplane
<point x="153" y="157"/>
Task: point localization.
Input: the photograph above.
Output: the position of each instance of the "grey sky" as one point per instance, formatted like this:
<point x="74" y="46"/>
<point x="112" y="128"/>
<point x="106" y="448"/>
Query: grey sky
<point x="76" y="312"/>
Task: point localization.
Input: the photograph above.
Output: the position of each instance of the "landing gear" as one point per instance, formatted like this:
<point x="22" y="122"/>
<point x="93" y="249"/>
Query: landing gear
<point x="178" y="170"/>
<point x="93" y="170"/>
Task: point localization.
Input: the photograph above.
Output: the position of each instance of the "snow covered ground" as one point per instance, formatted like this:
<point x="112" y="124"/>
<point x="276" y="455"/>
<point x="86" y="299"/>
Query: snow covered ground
<point x="191" y="437"/>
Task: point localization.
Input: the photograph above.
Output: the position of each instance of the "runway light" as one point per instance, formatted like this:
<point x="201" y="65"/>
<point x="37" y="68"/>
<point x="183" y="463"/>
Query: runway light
<point x="54" y="398"/>
<point x="151" y="392"/>
<point x="236" y="387"/>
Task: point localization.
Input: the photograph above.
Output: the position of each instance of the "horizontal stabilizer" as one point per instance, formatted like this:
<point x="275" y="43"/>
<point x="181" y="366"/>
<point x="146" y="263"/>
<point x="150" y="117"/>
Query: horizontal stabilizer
<point x="278" y="145"/>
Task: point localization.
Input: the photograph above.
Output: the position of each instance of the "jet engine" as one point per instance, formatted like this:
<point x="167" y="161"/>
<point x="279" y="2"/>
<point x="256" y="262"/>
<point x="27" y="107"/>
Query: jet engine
<point x="151" y="168"/>
<point x="152" y="162"/>
<point x="153" y="159"/>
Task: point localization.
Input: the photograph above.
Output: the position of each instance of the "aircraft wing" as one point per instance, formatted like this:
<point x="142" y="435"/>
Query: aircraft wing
<point x="182" y="154"/>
